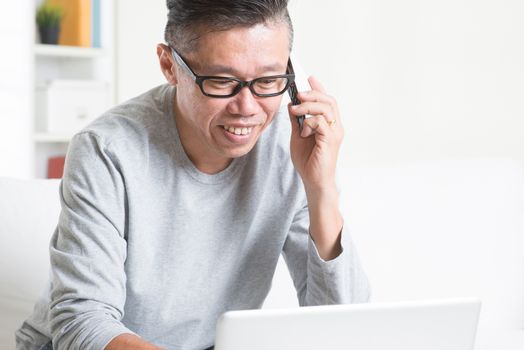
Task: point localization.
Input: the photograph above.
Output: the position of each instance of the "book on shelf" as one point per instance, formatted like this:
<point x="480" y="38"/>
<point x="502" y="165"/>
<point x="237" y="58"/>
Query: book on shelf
<point x="96" y="35"/>
<point x="55" y="167"/>
<point x="76" y="26"/>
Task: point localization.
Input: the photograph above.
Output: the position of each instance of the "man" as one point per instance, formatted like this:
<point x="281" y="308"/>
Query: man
<point x="177" y="204"/>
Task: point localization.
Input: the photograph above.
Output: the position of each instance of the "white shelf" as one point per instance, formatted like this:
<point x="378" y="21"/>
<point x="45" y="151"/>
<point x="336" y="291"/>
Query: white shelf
<point x="43" y="50"/>
<point x="69" y="63"/>
<point x="52" y="137"/>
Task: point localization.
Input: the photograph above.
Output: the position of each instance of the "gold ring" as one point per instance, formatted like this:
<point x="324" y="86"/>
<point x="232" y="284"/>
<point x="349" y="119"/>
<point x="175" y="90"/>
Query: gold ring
<point x="332" y="122"/>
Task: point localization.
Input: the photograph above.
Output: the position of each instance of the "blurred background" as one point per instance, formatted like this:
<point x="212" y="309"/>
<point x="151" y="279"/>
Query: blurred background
<point x="431" y="95"/>
<point x="415" y="80"/>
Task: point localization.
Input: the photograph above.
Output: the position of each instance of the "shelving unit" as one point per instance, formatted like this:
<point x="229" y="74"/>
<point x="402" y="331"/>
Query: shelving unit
<point x="52" y="62"/>
<point x="43" y="137"/>
<point x="45" y="50"/>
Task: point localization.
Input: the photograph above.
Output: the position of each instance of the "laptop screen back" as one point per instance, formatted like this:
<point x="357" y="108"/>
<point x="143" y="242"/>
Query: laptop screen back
<point x="428" y="325"/>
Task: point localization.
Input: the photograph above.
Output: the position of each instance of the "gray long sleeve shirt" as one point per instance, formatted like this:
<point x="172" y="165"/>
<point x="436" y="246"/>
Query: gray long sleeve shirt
<point x="148" y="244"/>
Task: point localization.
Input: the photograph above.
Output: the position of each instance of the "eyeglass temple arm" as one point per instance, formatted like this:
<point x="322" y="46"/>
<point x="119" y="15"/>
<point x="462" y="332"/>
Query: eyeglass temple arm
<point x="181" y="62"/>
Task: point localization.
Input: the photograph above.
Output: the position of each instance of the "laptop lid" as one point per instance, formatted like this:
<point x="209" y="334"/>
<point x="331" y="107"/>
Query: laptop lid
<point x="430" y="325"/>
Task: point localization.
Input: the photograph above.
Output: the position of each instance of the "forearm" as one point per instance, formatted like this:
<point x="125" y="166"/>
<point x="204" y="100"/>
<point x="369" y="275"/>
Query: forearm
<point x="325" y="221"/>
<point x="319" y="281"/>
<point x="130" y="342"/>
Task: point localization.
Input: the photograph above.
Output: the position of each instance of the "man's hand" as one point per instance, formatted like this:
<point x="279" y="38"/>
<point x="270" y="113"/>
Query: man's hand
<point x="314" y="151"/>
<point x="130" y="342"/>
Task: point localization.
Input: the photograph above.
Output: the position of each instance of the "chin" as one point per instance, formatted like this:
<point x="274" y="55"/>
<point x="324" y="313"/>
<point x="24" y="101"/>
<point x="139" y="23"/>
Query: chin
<point x="238" y="152"/>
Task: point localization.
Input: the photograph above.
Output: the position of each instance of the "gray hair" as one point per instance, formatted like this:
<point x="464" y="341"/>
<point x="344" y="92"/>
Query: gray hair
<point x="187" y="20"/>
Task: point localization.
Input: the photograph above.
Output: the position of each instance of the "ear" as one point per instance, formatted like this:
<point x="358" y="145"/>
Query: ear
<point x="167" y="66"/>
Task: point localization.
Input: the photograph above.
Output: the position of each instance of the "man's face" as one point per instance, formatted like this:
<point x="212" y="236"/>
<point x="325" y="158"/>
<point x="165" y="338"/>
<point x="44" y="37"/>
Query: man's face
<point x="205" y="123"/>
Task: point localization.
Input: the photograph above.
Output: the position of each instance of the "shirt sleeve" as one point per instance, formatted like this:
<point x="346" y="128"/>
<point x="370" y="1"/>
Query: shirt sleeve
<point x="318" y="282"/>
<point x="88" y="250"/>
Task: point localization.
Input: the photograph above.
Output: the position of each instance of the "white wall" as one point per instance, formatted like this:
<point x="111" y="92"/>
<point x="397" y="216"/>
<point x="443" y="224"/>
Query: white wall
<point x="419" y="79"/>
<point x="16" y="74"/>
<point x="139" y="27"/>
<point x="414" y="79"/>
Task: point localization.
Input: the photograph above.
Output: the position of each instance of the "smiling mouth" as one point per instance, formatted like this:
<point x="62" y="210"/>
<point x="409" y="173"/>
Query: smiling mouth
<point x="238" y="131"/>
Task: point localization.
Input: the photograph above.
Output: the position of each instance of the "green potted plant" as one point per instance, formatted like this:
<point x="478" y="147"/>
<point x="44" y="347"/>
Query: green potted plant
<point x="48" y="17"/>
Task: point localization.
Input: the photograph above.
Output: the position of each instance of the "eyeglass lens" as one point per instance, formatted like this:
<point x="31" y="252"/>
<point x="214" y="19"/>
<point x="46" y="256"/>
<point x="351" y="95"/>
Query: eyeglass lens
<point x="262" y="86"/>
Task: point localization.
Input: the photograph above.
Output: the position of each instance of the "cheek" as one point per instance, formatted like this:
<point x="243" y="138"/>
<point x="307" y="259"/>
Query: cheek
<point x="209" y="112"/>
<point x="201" y="109"/>
<point x="271" y="110"/>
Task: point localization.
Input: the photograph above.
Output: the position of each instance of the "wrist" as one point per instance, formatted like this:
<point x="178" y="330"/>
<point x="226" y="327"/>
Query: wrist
<point x="325" y="221"/>
<point x="326" y="195"/>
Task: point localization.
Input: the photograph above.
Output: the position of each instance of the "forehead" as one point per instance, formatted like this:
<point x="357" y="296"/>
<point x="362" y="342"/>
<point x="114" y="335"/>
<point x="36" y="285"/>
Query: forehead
<point x="244" y="48"/>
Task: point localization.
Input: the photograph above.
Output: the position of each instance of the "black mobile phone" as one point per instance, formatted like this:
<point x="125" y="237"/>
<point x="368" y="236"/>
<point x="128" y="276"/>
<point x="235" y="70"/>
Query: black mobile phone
<point x="292" y="91"/>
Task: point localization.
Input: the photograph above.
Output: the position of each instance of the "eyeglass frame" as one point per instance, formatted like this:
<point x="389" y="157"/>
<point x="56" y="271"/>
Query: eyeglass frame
<point x="199" y="80"/>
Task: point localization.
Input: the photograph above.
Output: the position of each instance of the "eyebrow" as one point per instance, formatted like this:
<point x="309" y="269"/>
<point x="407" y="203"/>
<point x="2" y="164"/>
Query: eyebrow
<point x="221" y="69"/>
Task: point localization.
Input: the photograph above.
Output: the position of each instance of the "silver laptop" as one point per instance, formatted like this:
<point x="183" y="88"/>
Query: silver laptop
<point x="448" y="324"/>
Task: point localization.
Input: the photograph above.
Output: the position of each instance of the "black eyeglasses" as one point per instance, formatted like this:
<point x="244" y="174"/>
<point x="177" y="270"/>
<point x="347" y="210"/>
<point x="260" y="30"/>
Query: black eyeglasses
<point x="223" y="87"/>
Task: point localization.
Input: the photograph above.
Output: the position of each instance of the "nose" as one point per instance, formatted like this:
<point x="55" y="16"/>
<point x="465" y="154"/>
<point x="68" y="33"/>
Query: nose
<point x="244" y="103"/>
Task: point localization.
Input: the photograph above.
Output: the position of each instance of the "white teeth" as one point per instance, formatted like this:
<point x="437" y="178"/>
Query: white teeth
<point x="238" y="131"/>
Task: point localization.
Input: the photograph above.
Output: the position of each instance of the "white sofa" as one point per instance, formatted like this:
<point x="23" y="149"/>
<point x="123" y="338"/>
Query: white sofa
<point x="28" y="215"/>
<point x="425" y="230"/>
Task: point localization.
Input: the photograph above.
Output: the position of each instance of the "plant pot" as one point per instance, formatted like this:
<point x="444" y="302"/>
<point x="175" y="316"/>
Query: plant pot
<point x="49" y="35"/>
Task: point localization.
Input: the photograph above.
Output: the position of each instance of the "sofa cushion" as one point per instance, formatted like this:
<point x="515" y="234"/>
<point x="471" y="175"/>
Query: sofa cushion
<point x="29" y="212"/>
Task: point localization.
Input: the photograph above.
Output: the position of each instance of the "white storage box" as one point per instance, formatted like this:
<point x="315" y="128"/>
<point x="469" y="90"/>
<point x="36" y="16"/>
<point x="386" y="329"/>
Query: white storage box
<point x="66" y="106"/>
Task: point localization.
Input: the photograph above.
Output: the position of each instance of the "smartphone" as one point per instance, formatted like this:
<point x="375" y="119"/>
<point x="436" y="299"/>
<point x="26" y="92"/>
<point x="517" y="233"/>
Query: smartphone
<point x="292" y="91"/>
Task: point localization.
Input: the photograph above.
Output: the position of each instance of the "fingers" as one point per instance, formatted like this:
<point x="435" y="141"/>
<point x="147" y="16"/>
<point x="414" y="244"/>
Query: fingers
<point x="322" y="107"/>
<point x="315" y="84"/>
<point x="316" y="102"/>
<point x="314" y="108"/>
<point x="317" y="125"/>
<point x="317" y="110"/>
<point x="315" y="96"/>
